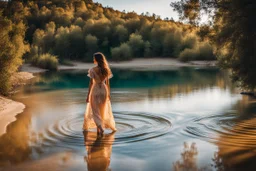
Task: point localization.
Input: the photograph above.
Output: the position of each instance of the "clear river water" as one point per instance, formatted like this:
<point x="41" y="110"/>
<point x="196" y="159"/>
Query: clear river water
<point x="179" y="119"/>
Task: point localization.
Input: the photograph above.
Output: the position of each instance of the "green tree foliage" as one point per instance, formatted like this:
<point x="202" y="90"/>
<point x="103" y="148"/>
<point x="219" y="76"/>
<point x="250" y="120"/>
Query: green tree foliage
<point x="137" y="44"/>
<point x="12" y="49"/>
<point x="122" y="52"/>
<point x="91" y="44"/>
<point x="75" y="29"/>
<point x="172" y="44"/>
<point x="201" y="52"/>
<point x="147" y="49"/>
<point x="121" y="33"/>
<point x="233" y="34"/>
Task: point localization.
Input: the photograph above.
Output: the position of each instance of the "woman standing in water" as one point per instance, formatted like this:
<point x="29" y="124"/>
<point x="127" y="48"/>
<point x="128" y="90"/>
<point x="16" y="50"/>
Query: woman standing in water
<point x="98" y="111"/>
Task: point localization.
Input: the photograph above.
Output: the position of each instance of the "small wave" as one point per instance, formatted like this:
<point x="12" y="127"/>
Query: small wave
<point x="224" y="130"/>
<point x="131" y="127"/>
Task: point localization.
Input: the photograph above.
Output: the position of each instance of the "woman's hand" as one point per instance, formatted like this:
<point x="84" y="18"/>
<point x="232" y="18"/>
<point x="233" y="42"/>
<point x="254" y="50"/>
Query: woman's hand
<point x="87" y="100"/>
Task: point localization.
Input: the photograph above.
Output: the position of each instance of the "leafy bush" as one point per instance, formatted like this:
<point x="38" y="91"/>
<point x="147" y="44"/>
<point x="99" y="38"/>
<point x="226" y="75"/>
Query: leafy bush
<point x="46" y="61"/>
<point x="206" y="52"/>
<point x="188" y="55"/>
<point x="203" y="52"/>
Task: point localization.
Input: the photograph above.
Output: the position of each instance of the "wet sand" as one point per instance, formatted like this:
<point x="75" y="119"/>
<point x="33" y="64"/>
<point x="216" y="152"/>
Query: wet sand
<point x="8" y="110"/>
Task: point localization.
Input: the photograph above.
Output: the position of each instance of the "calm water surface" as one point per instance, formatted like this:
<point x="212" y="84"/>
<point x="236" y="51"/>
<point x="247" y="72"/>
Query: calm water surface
<point x="181" y="119"/>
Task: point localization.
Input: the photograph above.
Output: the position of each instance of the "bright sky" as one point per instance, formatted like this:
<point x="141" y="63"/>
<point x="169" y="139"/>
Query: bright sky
<point x="159" y="7"/>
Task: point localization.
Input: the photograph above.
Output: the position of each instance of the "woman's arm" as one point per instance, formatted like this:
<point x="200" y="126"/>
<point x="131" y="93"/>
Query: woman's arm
<point x="89" y="91"/>
<point x="107" y="82"/>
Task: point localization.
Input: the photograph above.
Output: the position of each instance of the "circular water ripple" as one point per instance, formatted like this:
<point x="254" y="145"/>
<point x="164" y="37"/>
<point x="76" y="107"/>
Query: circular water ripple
<point x="225" y="130"/>
<point x="130" y="128"/>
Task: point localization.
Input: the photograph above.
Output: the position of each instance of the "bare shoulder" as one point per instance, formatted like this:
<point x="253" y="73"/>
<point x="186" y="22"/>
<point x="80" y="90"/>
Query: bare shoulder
<point x="93" y="68"/>
<point x="96" y="69"/>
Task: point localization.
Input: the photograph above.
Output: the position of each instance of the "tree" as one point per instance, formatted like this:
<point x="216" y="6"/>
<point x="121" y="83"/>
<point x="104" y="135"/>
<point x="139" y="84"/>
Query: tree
<point x="123" y="52"/>
<point x="188" y="9"/>
<point x="121" y="33"/>
<point x="234" y="34"/>
<point x="91" y="44"/>
<point x="137" y="44"/>
<point x="12" y="48"/>
<point x="147" y="49"/>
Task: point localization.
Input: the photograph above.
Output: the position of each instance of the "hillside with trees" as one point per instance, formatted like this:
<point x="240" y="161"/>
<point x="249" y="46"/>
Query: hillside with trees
<point x="59" y="31"/>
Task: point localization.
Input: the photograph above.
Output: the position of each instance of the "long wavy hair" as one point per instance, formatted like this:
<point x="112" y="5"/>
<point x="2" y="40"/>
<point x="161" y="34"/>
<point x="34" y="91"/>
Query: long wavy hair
<point x="102" y="64"/>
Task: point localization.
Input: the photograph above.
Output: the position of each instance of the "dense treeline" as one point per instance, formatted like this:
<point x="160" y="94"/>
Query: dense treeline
<point x="13" y="47"/>
<point x="77" y="29"/>
<point x="233" y="33"/>
<point x="63" y="30"/>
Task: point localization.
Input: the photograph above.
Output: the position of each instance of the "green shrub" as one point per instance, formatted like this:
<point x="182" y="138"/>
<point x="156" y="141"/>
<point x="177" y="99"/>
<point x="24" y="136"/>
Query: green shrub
<point x="206" y="52"/>
<point x="123" y="52"/>
<point x="203" y="52"/>
<point x="46" y="61"/>
<point x="188" y="55"/>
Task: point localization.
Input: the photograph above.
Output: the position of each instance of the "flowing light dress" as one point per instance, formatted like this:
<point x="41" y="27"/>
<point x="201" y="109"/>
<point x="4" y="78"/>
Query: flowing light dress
<point x="98" y="110"/>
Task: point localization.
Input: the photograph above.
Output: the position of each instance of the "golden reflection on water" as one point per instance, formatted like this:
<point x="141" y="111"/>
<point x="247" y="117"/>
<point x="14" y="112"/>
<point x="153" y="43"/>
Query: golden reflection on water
<point x="99" y="150"/>
<point x="14" y="145"/>
<point x="238" y="145"/>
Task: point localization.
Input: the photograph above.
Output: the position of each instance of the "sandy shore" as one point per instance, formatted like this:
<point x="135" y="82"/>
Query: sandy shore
<point x="20" y="78"/>
<point x="31" y="69"/>
<point x="8" y="110"/>
<point x="144" y="63"/>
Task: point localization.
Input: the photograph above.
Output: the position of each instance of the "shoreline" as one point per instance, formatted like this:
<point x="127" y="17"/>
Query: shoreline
<point x="10" y="108"/>
<point x="137" y="63"/>
<point x="8" y="111"/>
<point x="143" y="63"/>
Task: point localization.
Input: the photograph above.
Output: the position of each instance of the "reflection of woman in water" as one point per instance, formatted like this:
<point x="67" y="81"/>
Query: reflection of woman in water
<point x="98" y="151"/>
<point x="98" y="111"/>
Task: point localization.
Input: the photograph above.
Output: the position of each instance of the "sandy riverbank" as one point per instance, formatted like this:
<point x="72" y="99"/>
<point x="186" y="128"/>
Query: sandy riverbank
<point x="9" y="108"/>
<point x="144" y="63"/>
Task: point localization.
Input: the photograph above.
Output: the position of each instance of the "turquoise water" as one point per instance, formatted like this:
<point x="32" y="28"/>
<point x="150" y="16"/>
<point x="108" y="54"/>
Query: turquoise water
<point x="166" y="120"/>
